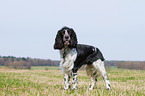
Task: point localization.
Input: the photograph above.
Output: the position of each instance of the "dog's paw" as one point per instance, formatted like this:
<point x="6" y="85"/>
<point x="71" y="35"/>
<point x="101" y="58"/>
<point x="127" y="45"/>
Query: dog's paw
<point x="108" y="87"/>
<point x="74" y="88"/>
<point x="91" y="88"/>
<point x="65" y="88"/>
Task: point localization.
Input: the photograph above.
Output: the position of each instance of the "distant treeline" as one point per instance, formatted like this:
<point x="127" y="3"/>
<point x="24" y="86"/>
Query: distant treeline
<point x="138" y="65"/>
<point x="26" y="63"/>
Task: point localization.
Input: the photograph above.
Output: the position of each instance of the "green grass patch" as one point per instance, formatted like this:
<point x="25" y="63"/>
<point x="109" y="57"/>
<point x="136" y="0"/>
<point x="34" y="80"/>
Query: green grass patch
<point x="41" y="82"/>
<point x="45" y="68"/>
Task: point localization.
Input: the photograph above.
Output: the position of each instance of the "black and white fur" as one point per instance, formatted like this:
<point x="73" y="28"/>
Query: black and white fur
<point x="74" y="55"/>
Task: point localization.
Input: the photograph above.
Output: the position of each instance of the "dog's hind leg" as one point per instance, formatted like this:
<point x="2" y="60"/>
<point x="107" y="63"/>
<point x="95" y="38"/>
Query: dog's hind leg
<point x="93" y="83"/>
<point x="91" y="72"/>
<point x="99" y="65"/>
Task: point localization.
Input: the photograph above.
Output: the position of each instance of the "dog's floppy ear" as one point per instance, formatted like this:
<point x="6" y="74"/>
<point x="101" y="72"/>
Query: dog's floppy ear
<point x="58" y="40"/>
<point x="73" y="41"/>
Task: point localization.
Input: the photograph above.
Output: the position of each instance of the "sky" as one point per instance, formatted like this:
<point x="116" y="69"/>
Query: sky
<point x="117" y="27"/>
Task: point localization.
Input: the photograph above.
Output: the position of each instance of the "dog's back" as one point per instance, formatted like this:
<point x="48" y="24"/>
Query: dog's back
<point x="87" y="54"/>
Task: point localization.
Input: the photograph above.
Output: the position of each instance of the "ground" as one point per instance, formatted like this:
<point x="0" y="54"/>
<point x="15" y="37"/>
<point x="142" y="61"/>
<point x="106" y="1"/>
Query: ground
<point x="48" y="81"/>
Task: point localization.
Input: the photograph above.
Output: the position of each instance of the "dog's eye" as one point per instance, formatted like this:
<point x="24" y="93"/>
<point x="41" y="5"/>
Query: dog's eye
<point x="63" y="32"/>
<point x="69" y="32"/>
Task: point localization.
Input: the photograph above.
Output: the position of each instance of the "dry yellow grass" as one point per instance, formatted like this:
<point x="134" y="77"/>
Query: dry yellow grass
<point x="50" y="83"/>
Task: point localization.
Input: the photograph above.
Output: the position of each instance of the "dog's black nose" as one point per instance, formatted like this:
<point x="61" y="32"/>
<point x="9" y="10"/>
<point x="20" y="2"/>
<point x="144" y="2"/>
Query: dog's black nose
<point x="66" y="37"/>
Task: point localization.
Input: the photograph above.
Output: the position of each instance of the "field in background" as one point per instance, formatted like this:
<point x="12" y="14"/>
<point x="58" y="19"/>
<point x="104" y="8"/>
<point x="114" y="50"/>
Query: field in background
<point x="45" y="68"/>
<point x="48" y="81"/>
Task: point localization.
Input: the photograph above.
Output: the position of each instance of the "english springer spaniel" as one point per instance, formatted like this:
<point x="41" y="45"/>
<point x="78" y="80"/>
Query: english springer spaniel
<point x="74" y="55"/>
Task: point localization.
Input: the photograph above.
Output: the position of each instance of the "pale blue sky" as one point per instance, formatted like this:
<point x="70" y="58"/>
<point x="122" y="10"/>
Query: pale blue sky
<point x="117" y="27"/>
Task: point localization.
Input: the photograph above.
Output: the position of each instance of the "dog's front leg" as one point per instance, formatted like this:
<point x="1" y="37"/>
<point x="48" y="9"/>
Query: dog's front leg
<point x="66" y="81"/>
<point x="75" y="81"/>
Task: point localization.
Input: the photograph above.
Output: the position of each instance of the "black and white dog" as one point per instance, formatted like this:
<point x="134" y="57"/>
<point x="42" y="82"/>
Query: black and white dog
<point x="74" y="55"/>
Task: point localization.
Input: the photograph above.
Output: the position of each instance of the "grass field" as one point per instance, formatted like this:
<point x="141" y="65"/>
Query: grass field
<point x="41" y="82"/>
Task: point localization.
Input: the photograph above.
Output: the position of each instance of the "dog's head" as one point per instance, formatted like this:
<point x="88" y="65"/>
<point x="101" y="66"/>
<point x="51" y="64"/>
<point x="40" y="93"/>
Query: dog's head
<point x="65" y="37"/>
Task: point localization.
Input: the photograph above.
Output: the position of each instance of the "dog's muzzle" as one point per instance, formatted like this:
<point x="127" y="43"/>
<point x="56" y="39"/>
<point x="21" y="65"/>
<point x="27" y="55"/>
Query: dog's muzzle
<point x="66" y="43"/>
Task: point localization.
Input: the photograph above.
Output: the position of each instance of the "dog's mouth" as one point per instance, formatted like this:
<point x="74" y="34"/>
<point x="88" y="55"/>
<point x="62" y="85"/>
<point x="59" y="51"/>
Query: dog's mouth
<point x="66" y="42"/>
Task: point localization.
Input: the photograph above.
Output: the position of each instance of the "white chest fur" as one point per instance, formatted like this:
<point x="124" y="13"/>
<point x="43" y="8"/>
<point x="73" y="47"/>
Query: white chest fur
<point x="67" y="62"/>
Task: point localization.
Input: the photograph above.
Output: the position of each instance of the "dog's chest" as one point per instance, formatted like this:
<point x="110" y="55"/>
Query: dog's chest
<point x="65" y="51"/>
<point x="68" y="56"/>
